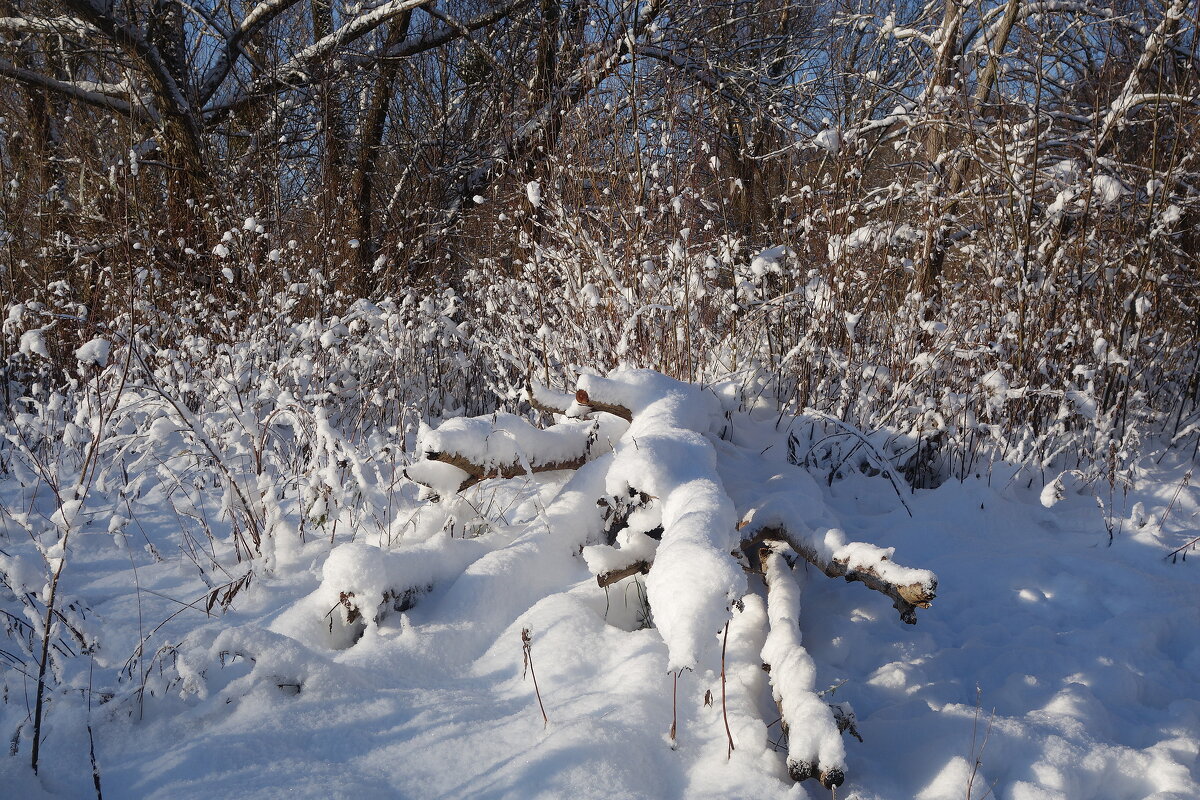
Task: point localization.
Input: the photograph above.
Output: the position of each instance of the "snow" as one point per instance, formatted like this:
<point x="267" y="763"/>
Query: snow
<point x="94" y="352"/>
<point x="635" y="546"/>
<point x="33" y="342"/>
<point x="533" y="192"/>
<point x="1107" y="189"/>
<point x="829" y="140"/>
<point x="768" y="260"/>
<point x="1055" y="662"/>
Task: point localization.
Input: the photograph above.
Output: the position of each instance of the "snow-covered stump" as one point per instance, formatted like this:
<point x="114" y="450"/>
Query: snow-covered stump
<point x="815" y="747"/>
<point x="871" y="565"/>
<point x="463" y="452"/>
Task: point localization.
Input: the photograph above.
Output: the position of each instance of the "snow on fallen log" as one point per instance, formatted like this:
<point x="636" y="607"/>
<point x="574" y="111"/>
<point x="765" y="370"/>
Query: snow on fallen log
<point x="632" y="531"/>
<point x="467" y="450"/>
<point x="815" y="746"/>
<point x="361" y="584"/>
<point x="665" y="453"/>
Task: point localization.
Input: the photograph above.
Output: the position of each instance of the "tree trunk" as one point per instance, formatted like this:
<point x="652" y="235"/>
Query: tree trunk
<point x="368" y="154"/>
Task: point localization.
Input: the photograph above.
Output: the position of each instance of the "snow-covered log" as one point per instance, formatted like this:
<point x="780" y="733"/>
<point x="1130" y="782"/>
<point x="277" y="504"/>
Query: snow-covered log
<point x="815" y="746"/>
<point x="465" y="451"/>
<point x="865" y="563"/>
<point x="667" y="454"/>
<point x="478" y="472"/>
<point x="361" y="584"/>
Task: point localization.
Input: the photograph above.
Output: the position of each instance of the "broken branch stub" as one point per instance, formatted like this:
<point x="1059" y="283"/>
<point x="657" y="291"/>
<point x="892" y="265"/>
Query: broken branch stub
<point x="612" y="576"/>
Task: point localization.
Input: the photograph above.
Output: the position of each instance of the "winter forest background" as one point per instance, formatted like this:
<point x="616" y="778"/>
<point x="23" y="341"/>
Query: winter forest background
<point x="923" y="272"/>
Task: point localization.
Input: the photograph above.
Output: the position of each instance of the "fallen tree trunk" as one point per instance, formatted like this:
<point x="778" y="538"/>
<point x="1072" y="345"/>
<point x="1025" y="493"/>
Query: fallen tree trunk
<point x="815" y="748"/>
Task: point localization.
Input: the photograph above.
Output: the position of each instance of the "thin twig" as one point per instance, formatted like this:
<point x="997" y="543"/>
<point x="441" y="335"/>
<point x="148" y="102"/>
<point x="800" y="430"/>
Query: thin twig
<point x="527" y="650"/>
<point x="724" y="707"/>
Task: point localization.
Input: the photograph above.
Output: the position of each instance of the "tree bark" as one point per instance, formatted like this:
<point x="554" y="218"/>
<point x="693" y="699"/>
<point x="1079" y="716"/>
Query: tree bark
<point x="369" y="152"/>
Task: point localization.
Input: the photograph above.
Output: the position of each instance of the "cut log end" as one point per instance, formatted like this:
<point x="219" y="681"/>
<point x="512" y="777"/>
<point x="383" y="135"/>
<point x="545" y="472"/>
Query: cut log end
<point x="918" y="594"/>
<point x="800" y="771"/>
<point x="832" y="778"/>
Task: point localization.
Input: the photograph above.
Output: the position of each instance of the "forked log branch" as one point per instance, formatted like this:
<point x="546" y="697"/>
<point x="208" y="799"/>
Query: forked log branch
<point x="906" y="598"/>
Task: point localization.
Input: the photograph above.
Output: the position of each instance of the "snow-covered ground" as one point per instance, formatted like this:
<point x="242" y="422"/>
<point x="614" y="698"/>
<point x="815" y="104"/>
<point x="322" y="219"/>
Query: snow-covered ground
<point x="1057" y="661"/>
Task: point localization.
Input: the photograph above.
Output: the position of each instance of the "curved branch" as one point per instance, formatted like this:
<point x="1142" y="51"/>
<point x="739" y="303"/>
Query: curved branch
<point x="88" y="94"/>
<point x="181" y="127"/>
<point x="293" y="76"/>
<point x="258" y="18"/>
